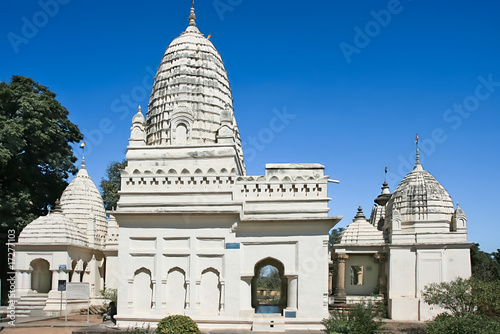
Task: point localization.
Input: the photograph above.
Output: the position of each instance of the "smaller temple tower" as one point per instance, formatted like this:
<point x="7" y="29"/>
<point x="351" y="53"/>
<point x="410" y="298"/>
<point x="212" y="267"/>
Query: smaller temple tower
<point x="414" y="237"/>
<point x="67" y="244"/>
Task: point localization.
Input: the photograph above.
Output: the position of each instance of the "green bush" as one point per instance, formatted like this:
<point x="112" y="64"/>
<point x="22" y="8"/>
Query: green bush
<point x="465" y="297"/>
<point x="473" y="324"/>
<point x="337" y="323"/>
<point x="359" y="320"/>
<point x="177" y="324"/>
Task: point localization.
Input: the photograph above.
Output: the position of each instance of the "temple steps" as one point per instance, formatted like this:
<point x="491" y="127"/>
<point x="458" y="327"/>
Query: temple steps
<point x="31" y="304"/>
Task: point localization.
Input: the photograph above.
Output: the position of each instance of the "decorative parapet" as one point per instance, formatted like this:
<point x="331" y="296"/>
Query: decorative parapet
<point x="285" y="191"/>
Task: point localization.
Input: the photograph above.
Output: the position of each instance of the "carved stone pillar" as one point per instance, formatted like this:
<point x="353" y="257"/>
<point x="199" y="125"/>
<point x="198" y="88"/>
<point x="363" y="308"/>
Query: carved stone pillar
<point x="340" y="258"/>
<point x="330" y="282"/>
<point x="381" y="259"/>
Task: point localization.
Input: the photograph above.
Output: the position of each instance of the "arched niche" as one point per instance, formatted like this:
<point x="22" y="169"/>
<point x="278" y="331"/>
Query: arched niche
<point x="176" y="291"/>
<point x="210" y="292"/>
<point x="269" y="286"/>
<point x="181" y="125"/>
<point x="142" y="291"/>
<point x="181" y="134"/>
<point x="41" y="278"/>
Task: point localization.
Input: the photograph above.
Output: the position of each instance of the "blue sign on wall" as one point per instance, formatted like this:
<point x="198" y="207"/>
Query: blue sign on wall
<point x="291" y="314"/>
<point x="62" y="267"/>
<point x="233" y="245"/>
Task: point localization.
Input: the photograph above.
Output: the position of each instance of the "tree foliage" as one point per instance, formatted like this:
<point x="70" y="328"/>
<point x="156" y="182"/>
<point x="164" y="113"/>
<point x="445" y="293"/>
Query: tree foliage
<point x="334" y="235"/>
<point x="35" y="153"/>
<point x="177" y="324"/>
<point x="484" y="265"/>
<point x="474" y="324"/>
<point x="465" y="297"/>
<point x="269" y="278"/>
<point x="361" y="318"/>
<point x="110" y="186"/>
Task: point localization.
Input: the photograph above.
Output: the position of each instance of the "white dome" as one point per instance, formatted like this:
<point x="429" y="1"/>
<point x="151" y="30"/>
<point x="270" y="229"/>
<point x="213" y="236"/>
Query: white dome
<point x="360" y="233"/>
<point x="420" y="197"/>
<point x="54" y="228"/>
<point x="82" y="203"/>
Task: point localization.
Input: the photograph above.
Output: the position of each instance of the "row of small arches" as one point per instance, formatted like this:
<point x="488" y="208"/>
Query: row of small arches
<point x="275" y="178"/>
<point x="184" y="171"/>
<point x="178" y="269"/>
<point x="224" y="171"/>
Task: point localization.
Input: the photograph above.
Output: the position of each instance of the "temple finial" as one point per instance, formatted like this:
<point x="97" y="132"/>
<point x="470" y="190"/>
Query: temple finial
<point x="82" y="146"/>
<point x="192" y="16"/>
<point x="360" y="214"/>
<point x="418" y="166"/>
<point x="139" y="109"/>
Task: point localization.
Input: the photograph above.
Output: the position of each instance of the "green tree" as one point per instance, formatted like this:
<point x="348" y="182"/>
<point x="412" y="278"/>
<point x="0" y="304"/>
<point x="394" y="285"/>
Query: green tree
<point x="484" y="265"/>
<point x="35" y="156"/>
<point x="334" y="235"/>
<point x="35" y="153"/>
<point x="472" y="305"/>
<point x="110" y="186"/>
<point x="465" y="297"/>
<point x="496" y="257"/>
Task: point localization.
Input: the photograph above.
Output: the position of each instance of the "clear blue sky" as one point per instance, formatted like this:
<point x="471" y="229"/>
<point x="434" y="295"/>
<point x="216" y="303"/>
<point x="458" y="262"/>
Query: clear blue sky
<point x="406" y="73"/>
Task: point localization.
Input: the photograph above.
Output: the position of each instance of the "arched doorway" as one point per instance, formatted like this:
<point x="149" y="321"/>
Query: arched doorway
<point x="269" y="287"/>
<point x="41" y="278"/>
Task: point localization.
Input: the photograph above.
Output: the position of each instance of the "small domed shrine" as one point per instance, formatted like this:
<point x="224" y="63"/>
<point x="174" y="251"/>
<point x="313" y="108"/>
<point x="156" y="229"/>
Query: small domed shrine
<point x="415" y="237"/>
<point x="67" y="244"/>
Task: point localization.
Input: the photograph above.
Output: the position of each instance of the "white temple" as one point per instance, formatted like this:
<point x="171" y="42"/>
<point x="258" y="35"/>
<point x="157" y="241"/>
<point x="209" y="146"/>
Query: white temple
<point x="415" y="237"/>
<point x="68" y="244"/>
<point x="192" y="231"/>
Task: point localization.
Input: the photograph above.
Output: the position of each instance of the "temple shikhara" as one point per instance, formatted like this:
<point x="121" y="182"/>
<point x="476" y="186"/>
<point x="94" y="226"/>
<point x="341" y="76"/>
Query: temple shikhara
<point x="193" y="233"/>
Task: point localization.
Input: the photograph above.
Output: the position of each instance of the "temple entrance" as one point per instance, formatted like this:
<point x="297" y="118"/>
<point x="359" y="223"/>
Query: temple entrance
<point x="41" y="278"/>
<point x="269" y="288"/>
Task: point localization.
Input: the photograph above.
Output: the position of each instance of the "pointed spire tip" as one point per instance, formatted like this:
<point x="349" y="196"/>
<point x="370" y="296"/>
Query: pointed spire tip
<point x="192" y="16"/>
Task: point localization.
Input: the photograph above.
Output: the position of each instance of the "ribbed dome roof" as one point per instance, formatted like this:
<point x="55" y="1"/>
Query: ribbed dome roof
<point x="360" y="233"/>
<point x="54" y="228"/>
<point x="421" y="197"/>
<point x="191" y="89"/>
<point x="82" y="202"/>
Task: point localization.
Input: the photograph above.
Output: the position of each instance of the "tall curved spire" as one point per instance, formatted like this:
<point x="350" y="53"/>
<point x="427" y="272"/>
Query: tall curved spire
<point x="192" y="16"/>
